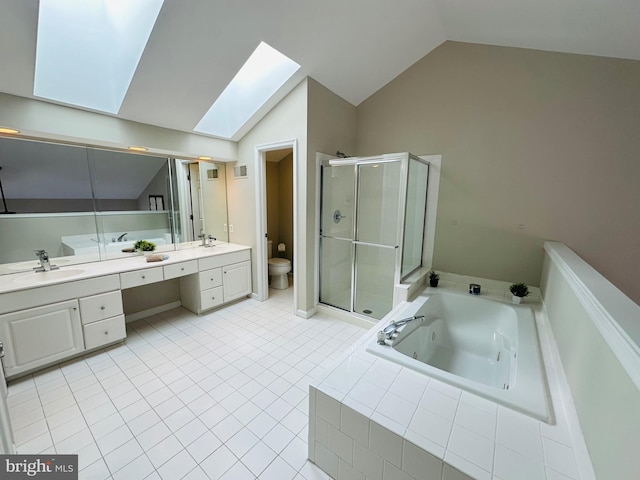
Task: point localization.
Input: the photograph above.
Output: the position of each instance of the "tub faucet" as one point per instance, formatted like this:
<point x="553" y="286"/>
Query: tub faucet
<point x="122" y="237"/>
<point x="390" y="332"/>
<point x="45" y="266"/>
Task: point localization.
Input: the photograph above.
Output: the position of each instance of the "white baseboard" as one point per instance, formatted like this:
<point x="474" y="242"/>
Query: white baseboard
<point x="306" y="313"/>
<point x="152" y="311"/>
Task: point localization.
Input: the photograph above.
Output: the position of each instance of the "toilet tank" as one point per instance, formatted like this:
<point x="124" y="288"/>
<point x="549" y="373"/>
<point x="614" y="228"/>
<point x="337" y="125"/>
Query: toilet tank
<point x="269" y="248"/>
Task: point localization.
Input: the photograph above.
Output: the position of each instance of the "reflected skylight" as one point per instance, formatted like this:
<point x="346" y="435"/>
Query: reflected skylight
<point x="260" y="77"/>
<point x="88" y="50"/>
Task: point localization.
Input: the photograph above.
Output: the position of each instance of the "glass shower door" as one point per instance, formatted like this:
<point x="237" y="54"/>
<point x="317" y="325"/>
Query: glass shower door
<point x="377" y="236"/>
<point x="336" y="235"/>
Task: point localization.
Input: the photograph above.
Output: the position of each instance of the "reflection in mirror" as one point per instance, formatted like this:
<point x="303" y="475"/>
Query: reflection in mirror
<point x="48" y="187"/>
<point x="201" y="196"/>
<point x="85" y="204"/>
<point x="132" y="195"/>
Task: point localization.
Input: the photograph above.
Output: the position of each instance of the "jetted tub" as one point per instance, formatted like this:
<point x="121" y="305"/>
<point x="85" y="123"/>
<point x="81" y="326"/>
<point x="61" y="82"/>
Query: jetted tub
<point x="486" y="347"/>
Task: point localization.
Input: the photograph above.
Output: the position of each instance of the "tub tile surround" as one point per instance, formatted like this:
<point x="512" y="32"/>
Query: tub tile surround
<point x="371" y="418"/>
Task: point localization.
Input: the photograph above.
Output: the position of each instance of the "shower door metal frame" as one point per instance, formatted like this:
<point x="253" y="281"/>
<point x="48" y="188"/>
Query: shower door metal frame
<point x="404" y="219"/>
<point x="403" y="158"/>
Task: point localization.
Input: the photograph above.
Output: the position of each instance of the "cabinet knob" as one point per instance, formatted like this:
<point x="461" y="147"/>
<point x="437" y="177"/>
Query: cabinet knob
<point x="213" y="298"/>
<point x="143" y="277"/>
<point x="106" y="332"/>
<point x="182" y="269"/>
<point x="102" y="307"/>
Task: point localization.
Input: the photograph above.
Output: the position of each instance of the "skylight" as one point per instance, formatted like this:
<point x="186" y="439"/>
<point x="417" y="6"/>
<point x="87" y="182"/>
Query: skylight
<point x="260" y="77"/>
<point x="88" y="50"/>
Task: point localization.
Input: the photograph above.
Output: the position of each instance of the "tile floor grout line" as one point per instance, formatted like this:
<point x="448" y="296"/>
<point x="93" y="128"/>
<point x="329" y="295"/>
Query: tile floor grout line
<point x="178" y="341"/>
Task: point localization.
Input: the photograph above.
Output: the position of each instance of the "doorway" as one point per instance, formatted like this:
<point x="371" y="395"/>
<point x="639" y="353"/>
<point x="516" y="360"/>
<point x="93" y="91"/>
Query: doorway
<point x="189" y="200"/>
<point x="276" y="212"/>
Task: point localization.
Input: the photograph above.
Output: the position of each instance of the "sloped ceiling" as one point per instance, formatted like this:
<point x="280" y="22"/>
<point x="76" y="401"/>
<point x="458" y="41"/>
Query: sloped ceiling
<point x="352" y="47"/>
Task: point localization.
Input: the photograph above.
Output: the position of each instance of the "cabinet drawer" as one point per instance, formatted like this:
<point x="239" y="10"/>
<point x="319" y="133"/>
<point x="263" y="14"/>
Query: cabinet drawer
<point x="106" y="331"/>
<point x="210" y="298"/>
<point x="180" y="269"/>
<point x="210" y="278"/>
<point x="222" y="259"/>
<point x="141" y="277"/>
<point x="99" y="307"/>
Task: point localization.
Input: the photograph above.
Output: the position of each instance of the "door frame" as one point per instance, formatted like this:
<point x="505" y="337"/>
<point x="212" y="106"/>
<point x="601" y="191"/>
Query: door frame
<point x="262" y="271"/>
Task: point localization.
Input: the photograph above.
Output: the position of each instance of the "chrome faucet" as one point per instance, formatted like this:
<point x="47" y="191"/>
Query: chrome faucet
<point x="45" y="266"/>
<point x="203" y="236"/>
<point x="390" y="332"/>
<point x="210" y="240"/>
<point x="122" y="237"/>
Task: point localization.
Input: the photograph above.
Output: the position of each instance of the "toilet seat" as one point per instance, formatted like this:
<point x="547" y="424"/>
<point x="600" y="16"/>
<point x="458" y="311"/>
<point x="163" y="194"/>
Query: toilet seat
<point x="279" y="261"/>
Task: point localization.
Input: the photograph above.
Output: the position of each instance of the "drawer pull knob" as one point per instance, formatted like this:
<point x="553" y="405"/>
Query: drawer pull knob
<point x="143" y="277"/>
<point x="106" y="332"/>
<point x="182" y="269"/>
<point x="213" y="298"/>
<point x="102" y="307"/>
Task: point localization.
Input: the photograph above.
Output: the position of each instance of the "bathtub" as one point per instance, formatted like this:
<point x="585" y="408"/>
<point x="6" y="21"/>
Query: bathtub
<point x="485" y="347"/>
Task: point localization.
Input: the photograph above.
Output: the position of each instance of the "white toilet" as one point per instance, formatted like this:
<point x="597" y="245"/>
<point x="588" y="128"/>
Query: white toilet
<point x="278" y="269"/>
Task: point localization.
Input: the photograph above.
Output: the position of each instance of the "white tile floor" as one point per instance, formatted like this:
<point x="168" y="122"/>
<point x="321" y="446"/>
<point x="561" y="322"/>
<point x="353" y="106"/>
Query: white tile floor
<point x="223" y="395"/>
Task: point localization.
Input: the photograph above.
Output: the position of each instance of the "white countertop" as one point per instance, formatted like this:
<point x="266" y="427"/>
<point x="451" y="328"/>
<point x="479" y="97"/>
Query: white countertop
<point x="22" y="280"/>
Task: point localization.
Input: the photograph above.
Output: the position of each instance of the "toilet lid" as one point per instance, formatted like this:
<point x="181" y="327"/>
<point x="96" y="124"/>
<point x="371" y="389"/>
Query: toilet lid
<point x="279" y="261"/>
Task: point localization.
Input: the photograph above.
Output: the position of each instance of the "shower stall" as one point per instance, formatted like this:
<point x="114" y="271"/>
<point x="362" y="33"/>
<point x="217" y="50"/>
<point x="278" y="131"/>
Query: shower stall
<point x="372" y="227"/>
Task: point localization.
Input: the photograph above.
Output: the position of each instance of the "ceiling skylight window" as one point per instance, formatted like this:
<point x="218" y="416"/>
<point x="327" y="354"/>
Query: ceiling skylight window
<point x="88" y="51"/>
<point x="262" y="75"/>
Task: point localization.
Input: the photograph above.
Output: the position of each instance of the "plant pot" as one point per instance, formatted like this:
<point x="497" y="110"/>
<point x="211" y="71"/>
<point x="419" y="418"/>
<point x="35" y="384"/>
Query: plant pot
<point x="433" y="283"/>
<point x="516" y="299"/>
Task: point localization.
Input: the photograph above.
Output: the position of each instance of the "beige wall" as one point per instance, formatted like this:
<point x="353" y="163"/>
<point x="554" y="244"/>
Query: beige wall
<point x="332" y="127"/>
<point x="536" y="145"/>
<point x="605" y="398"/>
<point x="280" y="205"/>
<point x="285" y="207"/>
<point x="273" y="200"/>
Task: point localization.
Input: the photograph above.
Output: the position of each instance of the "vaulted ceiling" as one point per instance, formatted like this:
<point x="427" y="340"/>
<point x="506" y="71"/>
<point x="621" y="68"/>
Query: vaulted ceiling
<point x="352" y="47"/>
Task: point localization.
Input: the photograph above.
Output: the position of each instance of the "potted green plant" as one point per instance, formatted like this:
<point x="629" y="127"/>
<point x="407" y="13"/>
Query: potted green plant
<point x="434" y="278"/>
<point x="144" y="246"/>
<point x="518" y="291"/>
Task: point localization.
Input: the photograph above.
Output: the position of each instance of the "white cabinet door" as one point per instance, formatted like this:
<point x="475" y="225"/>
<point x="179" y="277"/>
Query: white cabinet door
<point x="41" y="336"/>
<point x="236" y="280"/>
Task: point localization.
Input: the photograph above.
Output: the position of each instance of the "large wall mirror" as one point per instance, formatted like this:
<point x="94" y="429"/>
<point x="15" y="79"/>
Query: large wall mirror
<point x="85" y="204"/>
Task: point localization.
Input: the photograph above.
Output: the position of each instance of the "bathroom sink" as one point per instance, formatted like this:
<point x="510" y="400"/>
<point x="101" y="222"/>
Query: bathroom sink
<point x="42" y="277"/>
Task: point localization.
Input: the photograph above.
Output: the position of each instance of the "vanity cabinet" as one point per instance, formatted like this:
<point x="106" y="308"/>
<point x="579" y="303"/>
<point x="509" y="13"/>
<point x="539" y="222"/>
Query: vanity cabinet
<point x="40" y="336"/>
<point x="44" y="325"/>
<point x="236" y="280"/>
<point x="102" y="319"/>
<point x="222" y="279"/>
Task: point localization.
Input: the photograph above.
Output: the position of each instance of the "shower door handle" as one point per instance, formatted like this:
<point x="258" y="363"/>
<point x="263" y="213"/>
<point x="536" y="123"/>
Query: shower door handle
<point x="369" y="244"/>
